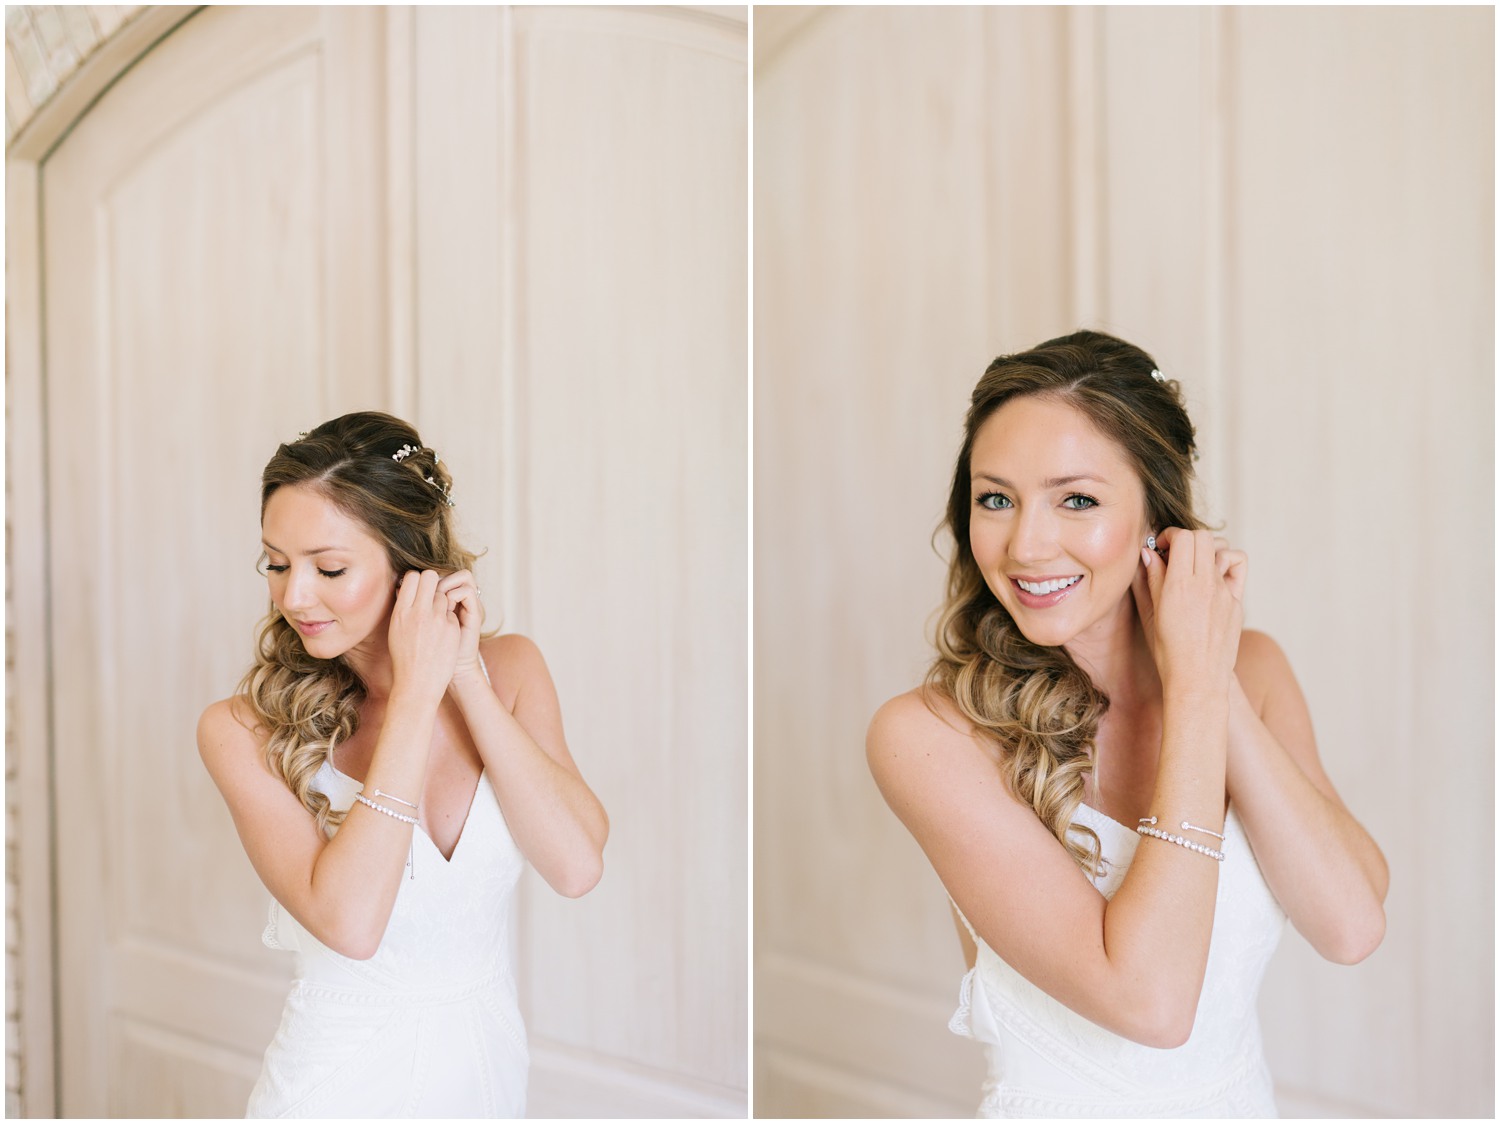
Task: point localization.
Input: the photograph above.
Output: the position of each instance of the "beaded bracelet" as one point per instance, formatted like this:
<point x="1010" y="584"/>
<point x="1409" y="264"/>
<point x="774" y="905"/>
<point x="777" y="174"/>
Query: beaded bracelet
<point x="411" y="853"/>
<point x="1217" y="856"/>
<point x="368" y="803"/>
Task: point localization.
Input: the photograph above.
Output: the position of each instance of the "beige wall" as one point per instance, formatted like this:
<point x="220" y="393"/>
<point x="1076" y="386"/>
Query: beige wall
<point x="1292" y="209"/>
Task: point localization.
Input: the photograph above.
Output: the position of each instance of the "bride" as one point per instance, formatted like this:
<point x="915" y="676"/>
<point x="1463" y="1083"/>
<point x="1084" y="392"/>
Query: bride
<point x="1117" y="785"/>
<point x="390" y="770"/>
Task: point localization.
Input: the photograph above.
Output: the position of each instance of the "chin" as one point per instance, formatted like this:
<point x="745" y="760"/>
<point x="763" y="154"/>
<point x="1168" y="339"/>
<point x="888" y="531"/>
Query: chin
<point x="1046" y="636"/>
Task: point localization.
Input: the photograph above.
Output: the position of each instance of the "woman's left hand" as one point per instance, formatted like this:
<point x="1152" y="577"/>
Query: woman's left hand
<point x="464" y="600"/>
<point x="1234" y="565"/>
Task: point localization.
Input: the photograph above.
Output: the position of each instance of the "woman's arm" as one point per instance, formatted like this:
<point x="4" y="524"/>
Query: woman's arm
<point x="341" y="890"/>
<point x="1323" y="867"/>
<point x="1133" y="964"/>
<point x="554" y="817"/>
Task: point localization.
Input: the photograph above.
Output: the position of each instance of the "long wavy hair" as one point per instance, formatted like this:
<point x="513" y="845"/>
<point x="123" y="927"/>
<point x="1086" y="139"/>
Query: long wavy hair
<point x="1035" y="703"/>
<point x="305" y="706"/>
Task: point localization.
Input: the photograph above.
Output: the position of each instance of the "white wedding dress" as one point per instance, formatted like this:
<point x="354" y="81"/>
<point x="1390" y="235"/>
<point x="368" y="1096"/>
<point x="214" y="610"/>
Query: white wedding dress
<point x="429" y="1025"/>
<point x="1046" y="1060"/>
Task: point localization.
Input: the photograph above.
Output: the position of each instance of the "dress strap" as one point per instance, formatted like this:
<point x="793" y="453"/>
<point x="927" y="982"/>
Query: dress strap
<point x="964" y="919"/>
<point x="484" y="669"/>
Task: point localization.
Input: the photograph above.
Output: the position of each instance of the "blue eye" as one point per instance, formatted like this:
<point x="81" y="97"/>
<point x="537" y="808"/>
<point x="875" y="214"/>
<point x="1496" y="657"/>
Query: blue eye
<point x="994" y="501"/>
<point x="1087" y="502"/>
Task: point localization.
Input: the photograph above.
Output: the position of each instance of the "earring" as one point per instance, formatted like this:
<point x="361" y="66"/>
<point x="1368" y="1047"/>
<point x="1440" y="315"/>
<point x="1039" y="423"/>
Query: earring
<point x="1150" y="542"/>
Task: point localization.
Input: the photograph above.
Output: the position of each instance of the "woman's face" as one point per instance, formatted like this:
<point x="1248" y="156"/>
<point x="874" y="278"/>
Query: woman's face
<point x="1058" y="518"/>
<point x="327" y="575"/>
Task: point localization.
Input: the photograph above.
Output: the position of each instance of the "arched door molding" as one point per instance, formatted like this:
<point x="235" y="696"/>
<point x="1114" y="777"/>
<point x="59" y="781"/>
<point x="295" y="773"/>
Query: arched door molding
<point x="29" y="830"/>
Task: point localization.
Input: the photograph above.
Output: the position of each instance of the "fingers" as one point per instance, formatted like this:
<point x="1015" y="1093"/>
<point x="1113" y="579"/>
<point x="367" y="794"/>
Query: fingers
<point x="455" y="580"/>
<point x="461" y="589"/>
<point x="422" y="588"/>
<point x="1234" y="565"/>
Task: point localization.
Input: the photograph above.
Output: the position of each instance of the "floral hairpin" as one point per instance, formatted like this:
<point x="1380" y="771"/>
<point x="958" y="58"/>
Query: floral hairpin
<point x="407" y="450"/>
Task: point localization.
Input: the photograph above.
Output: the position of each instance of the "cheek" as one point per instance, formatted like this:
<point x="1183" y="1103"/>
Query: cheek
<point x="365" y="593"/>
<point x="1112" y="549"/>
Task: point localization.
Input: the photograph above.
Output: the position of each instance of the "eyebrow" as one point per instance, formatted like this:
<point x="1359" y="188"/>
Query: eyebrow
<point x="308" y="553"/>
<point x="1054" y="482"/>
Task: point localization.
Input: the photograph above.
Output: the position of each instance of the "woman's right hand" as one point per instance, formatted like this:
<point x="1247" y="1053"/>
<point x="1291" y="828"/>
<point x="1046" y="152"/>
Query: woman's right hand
<point x="1190" y="607"/>
<point x="423" y="637"/>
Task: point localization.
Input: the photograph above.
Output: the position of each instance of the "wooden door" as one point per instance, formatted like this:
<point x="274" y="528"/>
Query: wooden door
<point x="213" y="284"/>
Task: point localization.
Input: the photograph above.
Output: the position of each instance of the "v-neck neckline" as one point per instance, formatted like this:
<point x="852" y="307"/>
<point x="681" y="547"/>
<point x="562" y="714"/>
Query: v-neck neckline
<point x="463" y="830"/>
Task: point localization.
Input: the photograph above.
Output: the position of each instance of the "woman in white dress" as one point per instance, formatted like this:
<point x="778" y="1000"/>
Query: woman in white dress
<point x="1118" y="787"/>
<point x="389" y="768"/>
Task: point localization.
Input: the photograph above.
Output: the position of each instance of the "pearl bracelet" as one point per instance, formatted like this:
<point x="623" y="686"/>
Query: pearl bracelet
<point x="411" y="850"/>
<point x="1217" y="856"/>
<point x="368" y="803"/>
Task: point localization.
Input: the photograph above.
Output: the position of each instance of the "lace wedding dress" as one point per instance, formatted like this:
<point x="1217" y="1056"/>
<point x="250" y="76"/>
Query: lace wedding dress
<point x="429" y="1025"/>
<point x="1046" y="1060"/>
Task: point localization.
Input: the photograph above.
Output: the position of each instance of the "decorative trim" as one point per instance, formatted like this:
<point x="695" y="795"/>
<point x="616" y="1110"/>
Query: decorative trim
<point x="45" y="45"/>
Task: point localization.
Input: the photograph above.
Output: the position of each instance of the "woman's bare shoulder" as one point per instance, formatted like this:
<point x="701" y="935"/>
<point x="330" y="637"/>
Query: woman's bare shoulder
<point x="227" y="729"/>
<point x="920" y="714"/>
<point x="920" y="738"/>
<point x="514" y="663"/>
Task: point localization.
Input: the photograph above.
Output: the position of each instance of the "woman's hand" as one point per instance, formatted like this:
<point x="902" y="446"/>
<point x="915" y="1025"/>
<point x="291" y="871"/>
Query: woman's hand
<point x="424" y="636"/>
<point x="463" y="598"/>
<point x="1189" y="604"/>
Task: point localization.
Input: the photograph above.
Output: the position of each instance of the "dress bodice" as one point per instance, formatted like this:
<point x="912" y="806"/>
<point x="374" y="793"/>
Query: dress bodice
<point x="1047" y="1060"/>
<point x="452" y="917"/>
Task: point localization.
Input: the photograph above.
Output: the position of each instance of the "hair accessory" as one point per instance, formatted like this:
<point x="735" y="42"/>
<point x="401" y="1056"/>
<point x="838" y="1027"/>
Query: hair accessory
<point x="302" y="433"/>
<point x="1155" y="833"/>
<point x="407" y="450"/>
<point x="412" y="806"/>
<point x="1157" y="375"/>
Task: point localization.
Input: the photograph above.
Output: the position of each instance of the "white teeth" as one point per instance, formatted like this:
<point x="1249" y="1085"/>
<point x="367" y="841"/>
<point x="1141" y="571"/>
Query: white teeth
<point x="1048" y="587"/>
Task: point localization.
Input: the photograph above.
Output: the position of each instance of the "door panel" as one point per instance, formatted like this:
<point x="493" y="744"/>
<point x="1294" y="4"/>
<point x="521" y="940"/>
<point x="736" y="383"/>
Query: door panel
<point x="193" y="300"/>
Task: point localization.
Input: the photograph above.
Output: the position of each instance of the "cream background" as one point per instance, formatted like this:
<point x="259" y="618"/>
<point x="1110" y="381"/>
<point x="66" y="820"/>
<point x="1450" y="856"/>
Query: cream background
<point x="522" y="228"/>
<point x="1292" y="209"/>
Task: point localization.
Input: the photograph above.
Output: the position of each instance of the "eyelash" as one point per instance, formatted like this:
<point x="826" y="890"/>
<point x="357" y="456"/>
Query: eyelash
<point x="982" y="501"/>
<point x="270" y="569"/>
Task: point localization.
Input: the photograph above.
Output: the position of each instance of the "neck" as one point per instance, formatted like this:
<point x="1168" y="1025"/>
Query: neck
<point x="370" y="659"/>
<point x="1114" y="654"/>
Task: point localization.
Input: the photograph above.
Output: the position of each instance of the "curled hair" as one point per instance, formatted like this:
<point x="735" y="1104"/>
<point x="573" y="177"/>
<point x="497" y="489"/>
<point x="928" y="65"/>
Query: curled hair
<point x="1035" y="702"/>
<point x="306" y="706"/>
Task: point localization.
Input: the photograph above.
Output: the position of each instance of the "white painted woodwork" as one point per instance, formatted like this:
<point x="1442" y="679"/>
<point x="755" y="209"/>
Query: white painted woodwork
<point x="524" y="229"/>
<point x="190" y="311"/>
<point x="591" y="335"/>
<point x="1293" y="210"/>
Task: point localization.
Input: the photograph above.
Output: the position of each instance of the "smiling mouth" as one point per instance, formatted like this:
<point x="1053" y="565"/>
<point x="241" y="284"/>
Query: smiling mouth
<point x="1038" y="589"/>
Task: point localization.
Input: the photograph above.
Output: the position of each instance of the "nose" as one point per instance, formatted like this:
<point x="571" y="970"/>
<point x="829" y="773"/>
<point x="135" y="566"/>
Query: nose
<point x="1034" y="538"/>
<point x="297" y="591"/>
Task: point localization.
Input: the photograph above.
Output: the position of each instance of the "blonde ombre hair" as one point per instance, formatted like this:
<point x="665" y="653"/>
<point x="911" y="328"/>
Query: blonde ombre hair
<point x="305" y="706"/>
<point x="1039" y="707"/>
